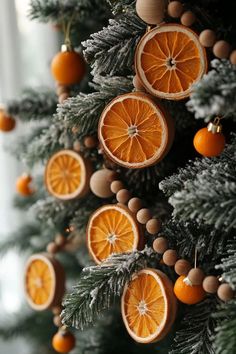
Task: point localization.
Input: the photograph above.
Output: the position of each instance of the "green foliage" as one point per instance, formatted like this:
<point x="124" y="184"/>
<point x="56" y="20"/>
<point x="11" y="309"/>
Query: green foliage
<point x="99" y="286"/>
<point x="196" y="330"/>
<point x="121" y="6"/>
<point x="228" y="264"/>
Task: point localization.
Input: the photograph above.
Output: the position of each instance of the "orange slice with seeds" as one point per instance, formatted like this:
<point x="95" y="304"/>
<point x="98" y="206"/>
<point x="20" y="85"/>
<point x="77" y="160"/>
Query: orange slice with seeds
<point x="134" y="131"/>
<point x="169" y="60"/>
<point x="44" y="282"/>
<point x="67" y="175"/>
<point x="148" y="306"/>
<point x="112" y="229"/>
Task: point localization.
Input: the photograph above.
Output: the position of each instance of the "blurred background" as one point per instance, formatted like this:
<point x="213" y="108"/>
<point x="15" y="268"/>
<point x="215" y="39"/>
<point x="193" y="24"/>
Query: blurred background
<point x="26" y="51"/>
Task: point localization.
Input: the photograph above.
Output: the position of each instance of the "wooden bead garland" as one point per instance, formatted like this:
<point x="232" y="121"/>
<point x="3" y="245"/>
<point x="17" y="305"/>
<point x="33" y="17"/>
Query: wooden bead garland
<point x="123" y="195"/>
<point x="207" y="38"/>
<point x="225" y="292"/>
<point x="170" y="257"/>
<point x="143" y="215"/>
<point x="232" y="57"/>
<point x="188" y="18"/>
<point x="116" y="186"/>
<point x="160" y="245"/>
<point x="175" y="9"/>
<point x="137" y="84"/>
<point x="196" y="276"/>
<point x="151" y="11"/>
<point x="153" y="226"/>
<point x="210" y="284"/>
<point x="90" y="142"/>
<point x="182" y="267"/>
<point x="135" y="204"/>
<point x="222" y="49"/>
<point x="100" y="183"/>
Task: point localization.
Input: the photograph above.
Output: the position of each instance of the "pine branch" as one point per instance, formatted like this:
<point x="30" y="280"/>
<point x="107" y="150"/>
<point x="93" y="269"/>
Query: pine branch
<point x="34" y="104"/>
<point x="228" y="264"/>
<point x="111" y="51"/>
<point x="121" y="6"/>
<point x="215" y="94"/>
<point x="197" y="329"/>
<point x="99" y="286"/>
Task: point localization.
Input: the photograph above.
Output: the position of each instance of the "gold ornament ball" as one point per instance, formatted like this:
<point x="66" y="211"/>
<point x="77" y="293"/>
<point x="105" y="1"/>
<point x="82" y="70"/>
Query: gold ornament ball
<point x="196" y="276"/>
<point x="175" y="9"/>
<point x="116" y="186"/>
<point x="207" y="38"/>
<point x="232" y="57"/>
<point x="153" y="226"/>
<point x="188" y="18"/>
<point x="210" y="284"/>
<point x="151" y="11"/>
<point x="57" y="321"/>
<point x="135" y="204"/>
<point x="63" y="97"/>
<point x="100" y="183"/>
<point x="225" y="292"/>
<point x="143" y="215"/>
<point x="90" y="142"/>
<point x="123" y="196"/>
<point x="52" y="248"/>
<point x="182" y="267"/>
<point x="222" y="49"/>
<point x="77" y="146"/>
<point x="160" y="245"/>
<point x="170" y="257"/>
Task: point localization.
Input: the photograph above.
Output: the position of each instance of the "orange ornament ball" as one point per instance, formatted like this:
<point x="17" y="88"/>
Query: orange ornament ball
<point x="7" y="123"/>
<point x="63" y="341"/>
<point x="23" y="186"/>
<point x="209" y="144"/>
<point x="68" y="67"/>
<point x="188" y="294"/>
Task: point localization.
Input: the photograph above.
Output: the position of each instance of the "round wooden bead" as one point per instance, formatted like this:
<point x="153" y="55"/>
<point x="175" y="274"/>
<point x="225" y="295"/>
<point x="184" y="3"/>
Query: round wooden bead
<point x="100" y="183"/>
<point x="77" y="146"/>
<point x="52" y="247"/>
<point x="182" y="267"/>
<point x="135" y="204"/>
<point x="57" y="321"/>
<point x="207" y="38"/>
<point x="90" y="142"/>
<point x="137" y="84"/>
<point x="188" y="18"/>
<point x="116" y="186"/>
<point x="143" y="215"/>
<point x="160" y="245"/>
<point x="196" y="276"/>
<point x="232" y="57"/>
<point x="175" y="9"/>
<point x="170" y="257"/>
<point x="56" y="310"/>
<point x="63" y="97"/>
<point x="225" y="292"/>
<point x="222" y="49"/>
<point x="60" y="240"/>
<point x="62" y="89"/>
<point x="75" y="130"/>
<point x="153" y="226"/>
<point x="210" y="284"/>
<point x="123" y="196"/>
<point x="151" y="11"/>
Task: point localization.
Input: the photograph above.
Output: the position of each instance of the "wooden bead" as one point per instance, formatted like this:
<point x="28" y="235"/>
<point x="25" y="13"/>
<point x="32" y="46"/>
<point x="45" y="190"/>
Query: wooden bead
<point x="143" y="215"/>
<point x="160" y="245"/>
<point x="77" y="146"/>
<point x="222" y="49"/>
<point x="63" y="97"/>
<point x="62" y="89"/>
<point x="116" y="186"/>
<point x="57" y="321"/>
<point x="210" y="284"/>
<point x="52" y="247"/>
<point x="175" y="9"/>
<point x="196" y="276"/>
<point x="182" y="267"/>
<point x="170" y="257"/>
<point x="100" y="183"/>
<point x="207" y="38"/>
<point x="123" y="196"/>
<point x="135" y="204"/>
<point x="153" y="226"/>
<point x="90" y="142"/>
<point x="151" y="11"/>
<point x="56" y="310"/>
<point x="188" y="18"/>
<point x="75" y="130"/>
<point x="60" y="240"/>
<point x="225" y="292"/>
<point x="232" y="57"/>
<point x="137" y="84"/>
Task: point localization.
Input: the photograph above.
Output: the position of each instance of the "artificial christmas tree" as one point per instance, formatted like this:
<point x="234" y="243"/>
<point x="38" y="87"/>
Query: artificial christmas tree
<point x="126" y="136"/>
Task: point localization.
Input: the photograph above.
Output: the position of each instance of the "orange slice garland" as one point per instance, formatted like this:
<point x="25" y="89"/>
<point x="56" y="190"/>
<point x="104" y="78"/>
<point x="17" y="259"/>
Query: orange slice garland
<point x="134" y="131"/>
<point x="67" y="175"/>
<point x="148" y="306"/>
<point x="169" y="60"/>
<point x="44" y="282"/>
<point x="112" y="229"/>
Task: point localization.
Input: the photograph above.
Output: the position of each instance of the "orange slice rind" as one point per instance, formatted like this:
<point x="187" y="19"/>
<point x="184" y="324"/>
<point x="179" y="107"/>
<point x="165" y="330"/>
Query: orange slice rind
<point x="169" y="59"/>
<point x="112" y="229"/>
<point x="67" y="175"/>
<point x="134" y="131"/>
<point x="148" y="306"/>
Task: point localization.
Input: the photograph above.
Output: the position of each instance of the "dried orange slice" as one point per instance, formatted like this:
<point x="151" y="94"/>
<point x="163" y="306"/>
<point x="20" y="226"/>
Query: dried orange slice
<point x="44" y="282"/>
<point x="134" y="131"/>
<point x="169" y="60"/>
<point x="148" y="306"/>
<point x="112" y="229"/>
<point x="67" y="175"/>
